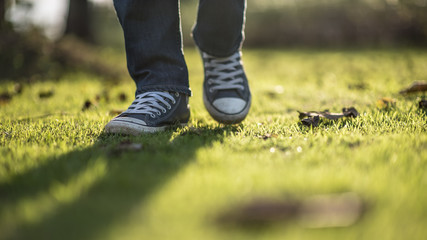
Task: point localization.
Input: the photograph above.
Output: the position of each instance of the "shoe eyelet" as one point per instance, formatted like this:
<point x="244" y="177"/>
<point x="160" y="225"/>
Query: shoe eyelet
<point x="164" y="110"/>
<point x="159" y="113"/>
<point x="173" y="102"/>
<point x="176" y="94"/>
<point x="169" y="107"/>
<point x="211" y="90"/>
<point x="152" y="116"/>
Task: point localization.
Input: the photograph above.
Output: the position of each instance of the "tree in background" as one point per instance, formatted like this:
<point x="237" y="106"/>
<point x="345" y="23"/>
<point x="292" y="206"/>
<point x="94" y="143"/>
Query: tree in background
<point x="79" y="20"/>
<point x="2" y="13"/>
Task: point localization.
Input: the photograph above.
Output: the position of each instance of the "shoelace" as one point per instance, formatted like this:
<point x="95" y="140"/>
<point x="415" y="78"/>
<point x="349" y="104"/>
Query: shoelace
<point x="150" y="103"/>
<point x="222" y="72"/>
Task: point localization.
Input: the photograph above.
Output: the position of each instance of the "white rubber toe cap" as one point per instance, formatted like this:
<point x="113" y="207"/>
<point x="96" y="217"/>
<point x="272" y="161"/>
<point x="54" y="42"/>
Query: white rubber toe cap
<point x="126" y="125"/>
<point x="129" y="120"/>
<point x="229" y="105"/>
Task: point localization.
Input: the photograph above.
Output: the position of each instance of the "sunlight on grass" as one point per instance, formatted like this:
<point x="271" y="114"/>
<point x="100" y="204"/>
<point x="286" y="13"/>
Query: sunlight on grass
<point x="62" y="178"/>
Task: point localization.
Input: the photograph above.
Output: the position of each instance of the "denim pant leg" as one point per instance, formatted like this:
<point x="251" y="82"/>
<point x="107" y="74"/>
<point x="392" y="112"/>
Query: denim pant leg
<point x="219" y="27"/>
<point x="152" y="32"/>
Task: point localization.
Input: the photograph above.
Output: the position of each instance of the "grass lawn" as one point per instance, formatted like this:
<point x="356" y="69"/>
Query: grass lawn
<point x="62" y="178"/>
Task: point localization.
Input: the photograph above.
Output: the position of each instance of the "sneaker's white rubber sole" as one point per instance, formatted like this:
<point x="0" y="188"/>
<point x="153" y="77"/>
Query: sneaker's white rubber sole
<point x="132" y="128"/>
<point x="227" y="118"/>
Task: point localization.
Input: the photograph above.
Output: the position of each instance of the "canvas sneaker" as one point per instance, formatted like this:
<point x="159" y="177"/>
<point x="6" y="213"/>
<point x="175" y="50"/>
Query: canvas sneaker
<point x="152" y="112"/>
<point x="226" y="93"/>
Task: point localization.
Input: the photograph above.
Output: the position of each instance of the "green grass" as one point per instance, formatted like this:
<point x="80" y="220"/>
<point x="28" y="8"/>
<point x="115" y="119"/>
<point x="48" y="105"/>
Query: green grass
<point x="62" y="178"/>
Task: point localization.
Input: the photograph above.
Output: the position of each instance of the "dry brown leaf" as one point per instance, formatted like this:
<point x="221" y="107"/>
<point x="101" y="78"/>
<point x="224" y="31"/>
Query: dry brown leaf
<point x="311" y="121"/>
<point x="86" y="105"/>
<point x="319" y="211"/>
<point x="418" y="86"/>
<point x="262" y="211"/>
<point x="104" y="95"/>
<point x="268" y="136"/>
<point x="5" y="98"/>
<point x="386" y="102"/>
<point x="46" y="94"/>
<point x="358" y="86"/>
<point x="122" y="97"/>
<point x="346" y="112"/>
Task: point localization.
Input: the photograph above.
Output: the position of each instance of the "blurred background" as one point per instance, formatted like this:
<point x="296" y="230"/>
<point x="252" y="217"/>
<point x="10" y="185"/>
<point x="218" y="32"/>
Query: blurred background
<point x="40" y="38"/>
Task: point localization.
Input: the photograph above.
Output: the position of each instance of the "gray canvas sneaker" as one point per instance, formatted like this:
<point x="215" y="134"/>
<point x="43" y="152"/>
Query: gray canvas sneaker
<point x="151" y="112"/>
<point x="226" y="93"/>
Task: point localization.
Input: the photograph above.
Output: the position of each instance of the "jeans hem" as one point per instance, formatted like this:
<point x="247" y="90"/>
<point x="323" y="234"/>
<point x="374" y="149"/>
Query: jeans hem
<point x="217" y="53"/>
<point x="185" y="90"/>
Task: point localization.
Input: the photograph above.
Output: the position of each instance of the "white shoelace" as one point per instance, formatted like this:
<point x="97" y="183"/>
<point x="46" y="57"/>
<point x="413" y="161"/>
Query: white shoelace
<point x="150" y="103"/>
<point x="222" y="72"/>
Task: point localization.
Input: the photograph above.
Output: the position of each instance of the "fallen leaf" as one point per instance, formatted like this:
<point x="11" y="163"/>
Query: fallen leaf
<point x="46" y="94"/>
<point x="5" y="98"/>
<point x="350" y="112"/>
<point x="311" y="121"/>
<point x="122" y="97"/>
<point x="318" y="211"/>
<point x="262" y="211"/>
<point x="417" y="86"/>
<point x="86" y="105"/>
<point x="271" y="94"/>
<point x="346" y="112"/>
<point x="268" y="135"/>
<point x="104" y="95"/>
<point x="386" y="102"/>
<point x="358" y="86"/>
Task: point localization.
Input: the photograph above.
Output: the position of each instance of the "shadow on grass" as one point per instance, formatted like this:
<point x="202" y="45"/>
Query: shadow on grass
<point x="129" y="179"/>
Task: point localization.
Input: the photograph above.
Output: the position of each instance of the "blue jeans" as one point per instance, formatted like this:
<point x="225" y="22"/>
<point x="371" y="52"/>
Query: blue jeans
<point x="152" y="31"/>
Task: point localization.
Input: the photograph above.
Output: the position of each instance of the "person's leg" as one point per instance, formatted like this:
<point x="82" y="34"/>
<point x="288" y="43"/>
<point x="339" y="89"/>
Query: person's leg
<point x="219" y="27"/>
<point x="155" y="61"/>
<point x="153" y="42"/>
<point x="219" y="35"/>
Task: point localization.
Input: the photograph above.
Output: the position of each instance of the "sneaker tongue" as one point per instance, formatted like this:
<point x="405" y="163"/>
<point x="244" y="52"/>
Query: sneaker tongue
<point x="232" y="93"/>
